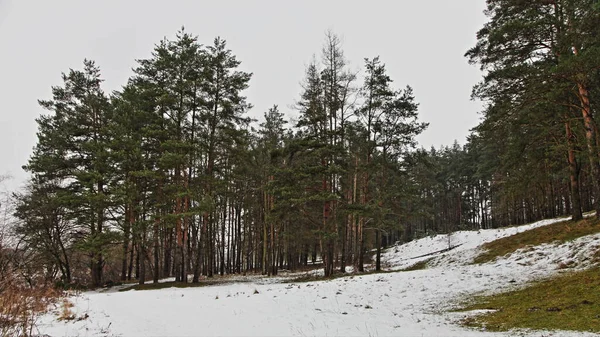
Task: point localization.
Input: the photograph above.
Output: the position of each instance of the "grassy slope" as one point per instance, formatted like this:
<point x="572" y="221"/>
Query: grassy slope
<point x="418" y="266"/>
<point x="561" y="231"/>
<point x="566" y="302"/>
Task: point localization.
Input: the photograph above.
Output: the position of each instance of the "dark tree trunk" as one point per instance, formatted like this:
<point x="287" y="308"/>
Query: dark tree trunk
<point x="126" y="230"/>
<point x="378" y="258"/>
<point x="576" y="212"/>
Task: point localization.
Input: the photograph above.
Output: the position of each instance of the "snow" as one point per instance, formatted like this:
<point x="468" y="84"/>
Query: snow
<point x="412" y="303"/>
<point x="465" y="243"/>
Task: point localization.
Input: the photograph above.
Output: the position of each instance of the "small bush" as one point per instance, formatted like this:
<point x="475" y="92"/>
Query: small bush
<point x="66" y="313"/>
<point x="22" y="301"/>
<point x="21" y="307"/>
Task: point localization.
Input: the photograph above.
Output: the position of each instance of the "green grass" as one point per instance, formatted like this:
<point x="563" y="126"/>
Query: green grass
<point x="566" y="302"/>
<point x="561" y="231"/>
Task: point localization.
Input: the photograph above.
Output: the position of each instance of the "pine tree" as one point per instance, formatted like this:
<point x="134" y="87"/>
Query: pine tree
<point x="390" y="120"/>
<point x="72" y="151"/>
<point x="548" y="45"/>
<point x="272" y="133"/>
<point x="222" y="111"/>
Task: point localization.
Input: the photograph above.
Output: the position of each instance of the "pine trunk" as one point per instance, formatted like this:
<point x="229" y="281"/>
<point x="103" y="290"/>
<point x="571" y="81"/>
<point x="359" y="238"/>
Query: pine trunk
<point x="576" y="213"/>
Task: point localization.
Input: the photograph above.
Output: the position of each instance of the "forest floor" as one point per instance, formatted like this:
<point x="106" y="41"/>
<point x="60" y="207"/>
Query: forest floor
<point x="420" y="295"/>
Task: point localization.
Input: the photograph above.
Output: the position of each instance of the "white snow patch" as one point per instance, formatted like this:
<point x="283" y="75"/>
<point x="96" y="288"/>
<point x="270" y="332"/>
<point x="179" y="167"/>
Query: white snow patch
<point x="466" y="242"/>
<point x="394" y="304"/>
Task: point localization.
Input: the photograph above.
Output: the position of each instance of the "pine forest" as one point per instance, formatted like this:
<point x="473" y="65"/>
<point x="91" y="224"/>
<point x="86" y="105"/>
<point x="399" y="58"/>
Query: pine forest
<point x="171" y="177"/>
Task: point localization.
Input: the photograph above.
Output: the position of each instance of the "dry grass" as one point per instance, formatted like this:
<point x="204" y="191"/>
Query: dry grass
<point x="66" y="313"/>
<point x="21" y="303"/>
<point x="418" y="266"/>
<point x="21" y="306"/>
<point x="559" y="232"/>
<point x="566" y="302"/>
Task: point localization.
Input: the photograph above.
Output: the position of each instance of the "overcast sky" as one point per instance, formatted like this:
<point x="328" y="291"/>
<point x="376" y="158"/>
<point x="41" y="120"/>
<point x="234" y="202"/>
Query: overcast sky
<point x="421" y="42"/>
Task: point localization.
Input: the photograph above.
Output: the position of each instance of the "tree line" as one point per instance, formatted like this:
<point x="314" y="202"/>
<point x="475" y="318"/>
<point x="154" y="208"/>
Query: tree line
<point x="535" y="152"/>
<point x="169" y="177"/>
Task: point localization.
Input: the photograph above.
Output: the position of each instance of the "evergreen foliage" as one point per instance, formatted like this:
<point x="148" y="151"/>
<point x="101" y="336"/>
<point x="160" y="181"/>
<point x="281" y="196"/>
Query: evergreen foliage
<point x="170" y="177"/>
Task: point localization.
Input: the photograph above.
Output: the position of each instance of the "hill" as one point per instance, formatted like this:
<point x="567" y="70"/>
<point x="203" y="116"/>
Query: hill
<point x="421" y="302"/>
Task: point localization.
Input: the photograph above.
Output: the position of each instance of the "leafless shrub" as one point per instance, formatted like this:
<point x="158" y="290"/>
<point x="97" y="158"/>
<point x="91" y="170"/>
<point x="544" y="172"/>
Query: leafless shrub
<point x="22" y="301"/>
<point x="21" y="307"/>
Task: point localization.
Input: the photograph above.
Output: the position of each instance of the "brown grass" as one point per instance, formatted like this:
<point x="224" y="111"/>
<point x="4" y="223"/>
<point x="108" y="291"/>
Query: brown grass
<point x="21" y="302"/>
<point x="66" y="313"/>
<point x="418" y="266"/>
<point x="21" y="306"/>
<point x="559" y="232"/>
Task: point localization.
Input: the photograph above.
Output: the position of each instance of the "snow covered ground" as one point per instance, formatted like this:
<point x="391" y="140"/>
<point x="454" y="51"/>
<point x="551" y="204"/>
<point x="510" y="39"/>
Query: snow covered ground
<point x="395" y="304"/>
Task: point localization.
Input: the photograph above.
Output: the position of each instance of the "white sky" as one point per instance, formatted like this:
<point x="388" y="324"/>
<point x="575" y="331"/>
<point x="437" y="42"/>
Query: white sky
<point x="421" y="42"/>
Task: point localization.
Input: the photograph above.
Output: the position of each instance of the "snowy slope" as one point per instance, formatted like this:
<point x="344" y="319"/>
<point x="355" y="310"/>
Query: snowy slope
<point x="395" y="304"/>
<point x="465" y="242"/>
